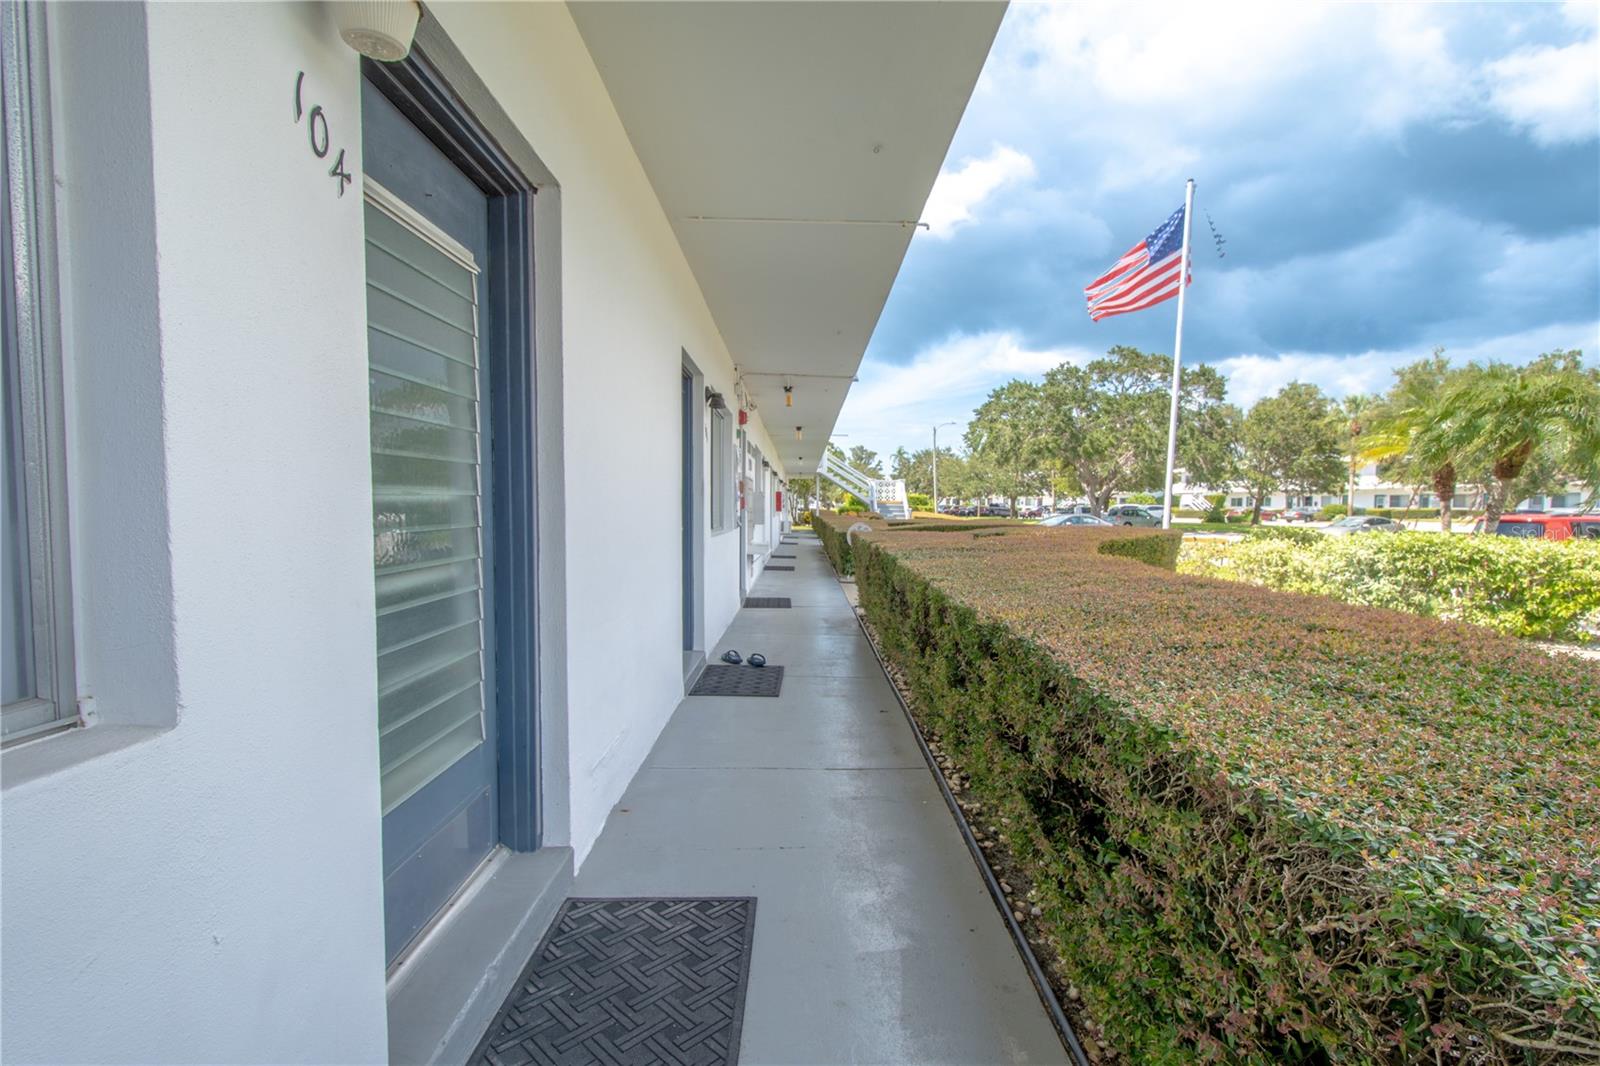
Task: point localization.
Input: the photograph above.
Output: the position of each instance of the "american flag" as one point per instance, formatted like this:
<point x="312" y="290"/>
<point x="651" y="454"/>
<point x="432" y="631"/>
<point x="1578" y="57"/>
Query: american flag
<point x="1144" y="276"/>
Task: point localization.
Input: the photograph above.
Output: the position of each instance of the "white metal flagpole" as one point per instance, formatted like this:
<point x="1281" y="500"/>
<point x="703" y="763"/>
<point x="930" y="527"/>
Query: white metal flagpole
<point x="1177" y="357"/>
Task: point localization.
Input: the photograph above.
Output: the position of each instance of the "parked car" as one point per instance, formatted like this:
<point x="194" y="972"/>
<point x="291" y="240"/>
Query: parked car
<point x="1131" y="514"/>
<point x="1074" y="508"/>
<point x="1363" y="523"/>
<point x="1074" y="520"/>
<point x="1299" y="514"/>
<point x="1548" y="526"/>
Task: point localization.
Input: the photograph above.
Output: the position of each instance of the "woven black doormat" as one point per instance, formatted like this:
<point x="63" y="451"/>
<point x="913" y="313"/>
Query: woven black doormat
<point x="767" y="601"/>
<point x="718" y="680"/>
<point x="769" y="566"/>
<point x="630" y="981"/>
<point x="775" y="555"/>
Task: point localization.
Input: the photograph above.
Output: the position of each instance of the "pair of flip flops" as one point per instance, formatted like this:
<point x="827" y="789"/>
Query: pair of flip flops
<point x="733" y="658"/>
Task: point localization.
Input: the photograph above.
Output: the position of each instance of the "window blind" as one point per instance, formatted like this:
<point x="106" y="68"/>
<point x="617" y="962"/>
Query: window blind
<point x="422" y="339"/>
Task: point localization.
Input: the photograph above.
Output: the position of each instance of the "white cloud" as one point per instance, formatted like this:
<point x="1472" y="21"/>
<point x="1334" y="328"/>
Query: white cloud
<point x="957" y="193"/>
<point x="894" y="405"/>
<point x="1159" y="74"/>
<point x="1582" y="13"/>
<point x="1421" y="78"/>
<point x="1553" y="93"/>
<point x="1250" y="376"/>
<point x="1149" y="85"/>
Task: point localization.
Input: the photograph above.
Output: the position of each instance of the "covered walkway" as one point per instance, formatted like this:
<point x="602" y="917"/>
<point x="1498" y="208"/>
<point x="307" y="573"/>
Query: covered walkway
<point x="876" y="940"/>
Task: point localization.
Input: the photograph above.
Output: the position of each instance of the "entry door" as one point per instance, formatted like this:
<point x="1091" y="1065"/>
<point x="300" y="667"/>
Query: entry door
<point x="427" y="246"/>
<point x="690" y="517"/>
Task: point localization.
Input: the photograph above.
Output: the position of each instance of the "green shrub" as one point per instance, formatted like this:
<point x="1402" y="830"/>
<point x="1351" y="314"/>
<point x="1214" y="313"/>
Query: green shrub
<point x="832" y="529"/>
<point x="1400" y="512"/>
<point x="1141" y="497"/>
<point x="966" y="525"/>
<point x="1332" y="511"/>
<point x="1265" y="828"/>
<point x="803" y="518"/>
<point x="1520" y="587"/>
<point x="1156" y="549"/>
<point x="1214" y="510"/>
<point x="919" y="501"/>
<point x="1299" y="534"/>
<point x="854" y="504"/>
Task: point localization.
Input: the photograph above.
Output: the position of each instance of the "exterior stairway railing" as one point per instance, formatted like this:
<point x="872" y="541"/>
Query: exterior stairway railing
<point x="886" y="496"/>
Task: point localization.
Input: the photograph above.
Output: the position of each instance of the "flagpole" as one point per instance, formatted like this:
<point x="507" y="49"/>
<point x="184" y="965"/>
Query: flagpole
<point x="1177" y="357"/>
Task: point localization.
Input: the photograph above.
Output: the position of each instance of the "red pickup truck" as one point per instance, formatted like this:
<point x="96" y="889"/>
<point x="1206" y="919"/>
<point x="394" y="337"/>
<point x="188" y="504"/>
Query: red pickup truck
<point x="1548" y="526"/>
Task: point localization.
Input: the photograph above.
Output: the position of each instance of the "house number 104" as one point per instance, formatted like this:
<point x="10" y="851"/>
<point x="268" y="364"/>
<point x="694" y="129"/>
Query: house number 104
<point x="317" y="133"/>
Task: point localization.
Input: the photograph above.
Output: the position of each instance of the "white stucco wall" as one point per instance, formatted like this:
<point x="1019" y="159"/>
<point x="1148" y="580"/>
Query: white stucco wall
<point x="211" y="891"/>
<point x="205" y="885"/>
<point x="630" y="304"/>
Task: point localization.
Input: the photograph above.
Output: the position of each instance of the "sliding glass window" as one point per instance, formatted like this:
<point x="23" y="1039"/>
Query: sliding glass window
<point x="37" y="670"/>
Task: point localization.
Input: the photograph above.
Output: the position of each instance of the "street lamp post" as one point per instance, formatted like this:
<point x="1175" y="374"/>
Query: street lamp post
<point x="936" y="465"/>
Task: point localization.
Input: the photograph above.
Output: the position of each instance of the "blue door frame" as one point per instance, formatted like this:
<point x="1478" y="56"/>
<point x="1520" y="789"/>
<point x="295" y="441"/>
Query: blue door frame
<point x="688" y="513"/>
<point x="434" y="105"/>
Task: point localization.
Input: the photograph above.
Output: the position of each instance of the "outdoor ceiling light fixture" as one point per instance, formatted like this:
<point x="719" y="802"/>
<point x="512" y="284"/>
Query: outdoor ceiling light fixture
<point x="788" y="396"/>
<point x="797" y="435"/>
<point x="714" y="399"/>
<point x="378" y="29"/>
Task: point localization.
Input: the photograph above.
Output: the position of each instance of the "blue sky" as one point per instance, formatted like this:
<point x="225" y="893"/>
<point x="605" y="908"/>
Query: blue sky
<point x="1387" y="178"/>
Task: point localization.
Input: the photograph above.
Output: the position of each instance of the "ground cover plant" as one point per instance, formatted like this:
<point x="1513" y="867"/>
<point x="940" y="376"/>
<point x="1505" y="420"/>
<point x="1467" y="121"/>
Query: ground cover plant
<point x="1523" y="587"/>
<point x="1264" y="827"/>
<point x="833" y="530"/>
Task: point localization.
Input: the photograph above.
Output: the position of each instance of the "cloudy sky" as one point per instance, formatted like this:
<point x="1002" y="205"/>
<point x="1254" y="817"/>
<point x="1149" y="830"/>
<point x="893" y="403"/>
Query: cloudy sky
<point x="1387" y="179"/>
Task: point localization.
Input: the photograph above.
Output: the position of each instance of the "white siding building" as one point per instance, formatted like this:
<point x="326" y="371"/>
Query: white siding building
<point x="510" y="320"/>
<point x="1372" y="492"/>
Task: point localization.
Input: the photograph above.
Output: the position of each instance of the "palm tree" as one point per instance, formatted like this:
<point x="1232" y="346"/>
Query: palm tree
<point x="1505" y="414"/>
<point x="900" y="464"/>
<point x="1408" y="430"/>
<point x="1354" y="412"/>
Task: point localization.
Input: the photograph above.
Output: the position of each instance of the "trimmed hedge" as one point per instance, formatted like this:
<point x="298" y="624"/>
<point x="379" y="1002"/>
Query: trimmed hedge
<point x="1265" y="828"/>
<point x="1297" y="534"/>
<point x="831" y="528"/>
<point x="1154" y="549"/>
<point x="1521" y="587"/>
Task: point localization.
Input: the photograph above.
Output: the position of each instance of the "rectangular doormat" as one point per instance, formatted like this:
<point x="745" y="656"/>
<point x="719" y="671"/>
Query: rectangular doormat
<point x="770" y="566"/>
<point x="720" y="679"/>
<point x="630" y="981"/>
<point x="767" y="601"/>
<point x="775" y="555"/>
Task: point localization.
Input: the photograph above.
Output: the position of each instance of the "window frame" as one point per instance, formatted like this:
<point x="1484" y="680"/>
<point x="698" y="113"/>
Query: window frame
<point x="720" y="459"/>
<point x="30" y="243"/>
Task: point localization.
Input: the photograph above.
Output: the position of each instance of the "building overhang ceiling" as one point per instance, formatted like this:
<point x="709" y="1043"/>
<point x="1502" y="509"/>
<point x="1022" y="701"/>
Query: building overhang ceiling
<point x="792" y="146"/>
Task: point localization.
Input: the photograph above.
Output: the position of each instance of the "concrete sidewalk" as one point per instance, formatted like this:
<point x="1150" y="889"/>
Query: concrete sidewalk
<point x="876" y="941"/>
